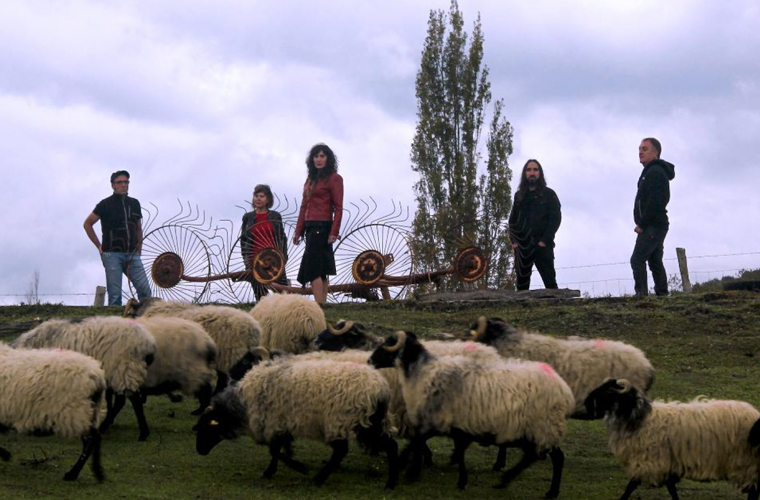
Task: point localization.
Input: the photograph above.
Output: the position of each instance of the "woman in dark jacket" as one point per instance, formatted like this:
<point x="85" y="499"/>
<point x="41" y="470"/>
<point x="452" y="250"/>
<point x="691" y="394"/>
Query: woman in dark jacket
<point x="262" y="228"/>
<point x="319" y="219"/>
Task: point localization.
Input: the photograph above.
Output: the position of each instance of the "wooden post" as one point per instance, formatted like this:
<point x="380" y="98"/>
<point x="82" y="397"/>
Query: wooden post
<point x="100" y="296"/>
<point x="684" y="268"/>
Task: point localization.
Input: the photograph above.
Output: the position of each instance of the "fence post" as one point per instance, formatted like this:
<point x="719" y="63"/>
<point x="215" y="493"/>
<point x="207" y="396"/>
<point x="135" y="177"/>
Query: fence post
<point x="684" y="268"/>
<point x="100" y="296"/>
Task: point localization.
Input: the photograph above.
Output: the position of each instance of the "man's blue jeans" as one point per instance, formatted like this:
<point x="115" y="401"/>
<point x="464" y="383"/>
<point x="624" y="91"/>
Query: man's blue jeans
<point x="118" y="263"/>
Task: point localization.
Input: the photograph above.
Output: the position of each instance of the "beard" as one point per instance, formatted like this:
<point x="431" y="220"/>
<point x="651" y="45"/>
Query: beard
<point x="532" y="182"/>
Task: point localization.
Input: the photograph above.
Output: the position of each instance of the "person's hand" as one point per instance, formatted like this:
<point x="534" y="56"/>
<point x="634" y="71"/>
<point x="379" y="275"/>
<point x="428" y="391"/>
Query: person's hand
<point x="542" y="244"/>
<point x="514" y="246"/>
<point x="331" y="239"/>
<point x="296" y="240"/>
<point x="638" y="230"/>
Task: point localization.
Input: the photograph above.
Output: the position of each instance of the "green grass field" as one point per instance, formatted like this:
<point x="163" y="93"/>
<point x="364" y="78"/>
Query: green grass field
<point x="702" y="344"/>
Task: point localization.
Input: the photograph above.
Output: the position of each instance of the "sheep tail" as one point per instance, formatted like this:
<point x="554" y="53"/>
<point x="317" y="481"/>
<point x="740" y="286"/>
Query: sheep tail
<point x="754" y="434"/>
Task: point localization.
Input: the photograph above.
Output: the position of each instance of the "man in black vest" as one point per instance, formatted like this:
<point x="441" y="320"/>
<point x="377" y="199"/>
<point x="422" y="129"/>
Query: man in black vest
<point x="533" y="222"/>
<point x="651" y="217"/>
<point x="121" y="221"/>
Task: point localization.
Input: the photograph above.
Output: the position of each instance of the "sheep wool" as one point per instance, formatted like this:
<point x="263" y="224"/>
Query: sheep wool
<point x="121" y="345"/>
<point x="583" y="364"/>
<point x="184" y="354"/>
<point x="317" y="399"/>
<point x="288" y="322"/>
<point x="49" y="390"/>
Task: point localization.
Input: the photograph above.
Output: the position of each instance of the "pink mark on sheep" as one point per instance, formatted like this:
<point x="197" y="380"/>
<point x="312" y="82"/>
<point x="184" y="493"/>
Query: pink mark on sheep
<point x="548" y="369"/>
<point x="600" y="344"/>
<point x="471" y="346"/>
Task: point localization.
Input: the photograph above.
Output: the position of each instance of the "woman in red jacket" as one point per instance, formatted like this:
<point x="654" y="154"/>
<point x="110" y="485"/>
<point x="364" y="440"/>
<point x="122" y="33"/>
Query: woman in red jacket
<point x="319" y="219"/>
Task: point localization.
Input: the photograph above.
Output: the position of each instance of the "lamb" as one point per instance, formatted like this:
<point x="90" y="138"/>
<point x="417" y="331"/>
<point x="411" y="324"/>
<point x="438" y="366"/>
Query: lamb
<point x="183" y="362"/>
<point x="234" y="332"/>
<point x="57" y="392"/>
<point x="516" y="403"/>
<point x="659" y="443"/>
<point x="123" y="346"/>
<point x="288" y="322"/>
<point x="287" y="399"/>
<point x="582" y="363"/>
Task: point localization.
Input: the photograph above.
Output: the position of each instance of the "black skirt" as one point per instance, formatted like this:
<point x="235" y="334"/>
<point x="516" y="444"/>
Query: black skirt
<point x="318" y="259"/>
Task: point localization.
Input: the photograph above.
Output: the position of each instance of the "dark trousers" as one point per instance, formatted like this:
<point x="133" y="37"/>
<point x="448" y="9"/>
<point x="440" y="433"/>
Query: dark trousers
<point x="649" y="249"/>
<point x="543" y="258"/>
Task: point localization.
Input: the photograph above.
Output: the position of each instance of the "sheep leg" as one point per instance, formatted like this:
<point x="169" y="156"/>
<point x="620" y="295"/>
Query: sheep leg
<point x="462" y="441"/>
<point x="221" y="382"/>
<point x="204" y="399"/>
<point x="5" y="455"/>
<point x="415" y="468"/>
<point x="90" y="446"/>
<point x="113" y="409"/>
<point x="142" y="424"/>
<point x="670" y="484"/>
<point x="427" y="455"/>
<point x="391" y="453"/>
<point x="529" y="456"/>
<point x="558" y="462"/>
<point x="501" y="458"/>
<point x="632" y="485"/>
<point x="340" y="450"/>
<point x="274" y="452"/>
<point x="753" y="493"/>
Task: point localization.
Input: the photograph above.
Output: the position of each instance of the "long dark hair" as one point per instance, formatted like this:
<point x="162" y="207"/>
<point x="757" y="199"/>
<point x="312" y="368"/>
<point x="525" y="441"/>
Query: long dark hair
<point x="523" y="187"/>
<point x="331" y="167"/>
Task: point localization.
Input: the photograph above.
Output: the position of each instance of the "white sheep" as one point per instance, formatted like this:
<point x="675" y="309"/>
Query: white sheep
<point x="659" y="443"/>
<point x="56" y="392"/>
<point x="287" y="399"/>
<point x="184" y="358"/>
<point x="123" y="346"/>
<point x="582" y="363"/>
<point x="234" y="332"/>
<point x="288" y="322"/>
<point x="516" y="403"/>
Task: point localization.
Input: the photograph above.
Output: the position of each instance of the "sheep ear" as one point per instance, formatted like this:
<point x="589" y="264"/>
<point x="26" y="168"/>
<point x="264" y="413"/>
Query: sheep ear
<point x="623" y="386"/>
<point x="208" y="409"/>
<point x="213" y="423"/>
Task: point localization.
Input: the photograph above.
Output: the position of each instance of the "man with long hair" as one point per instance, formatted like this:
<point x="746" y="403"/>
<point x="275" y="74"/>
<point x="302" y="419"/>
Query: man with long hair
<point x="533" y="222"/>
<point x="651" y="217"/>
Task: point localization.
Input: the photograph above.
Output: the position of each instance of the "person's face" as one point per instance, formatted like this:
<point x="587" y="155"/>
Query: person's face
<point x="532" y="173"/>
<point x="120" y="185"/>
<point x="647" y="153"/>
<point x="260" y="200"/>
<point x="320" y="160"/>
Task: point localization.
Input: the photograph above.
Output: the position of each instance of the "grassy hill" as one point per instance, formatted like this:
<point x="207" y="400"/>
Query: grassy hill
<point x="701" y="344"/>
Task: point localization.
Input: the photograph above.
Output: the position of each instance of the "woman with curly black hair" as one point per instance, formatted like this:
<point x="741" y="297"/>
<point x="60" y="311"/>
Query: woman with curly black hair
<point x="319" y="219"/>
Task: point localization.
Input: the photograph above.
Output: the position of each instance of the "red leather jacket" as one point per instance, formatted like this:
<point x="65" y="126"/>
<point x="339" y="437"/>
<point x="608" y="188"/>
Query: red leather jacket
<point x="326" y="203"/>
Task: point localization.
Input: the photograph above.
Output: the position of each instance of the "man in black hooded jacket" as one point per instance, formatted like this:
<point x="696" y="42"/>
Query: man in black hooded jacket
<point x="651" y="216"/>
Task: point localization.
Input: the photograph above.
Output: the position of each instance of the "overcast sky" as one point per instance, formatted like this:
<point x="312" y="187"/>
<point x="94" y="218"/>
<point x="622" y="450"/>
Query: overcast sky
<point x="200" y="101"/>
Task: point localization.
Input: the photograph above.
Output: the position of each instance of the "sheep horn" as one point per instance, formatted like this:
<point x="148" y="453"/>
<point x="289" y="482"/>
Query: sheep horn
<point x="624" y="384"/>
<point x="346" y="327"/>
<point x="481" y="330"/>
<point x="400" y="341"/>
<point x="131" y="307"/>
<point x="261" y="352"/>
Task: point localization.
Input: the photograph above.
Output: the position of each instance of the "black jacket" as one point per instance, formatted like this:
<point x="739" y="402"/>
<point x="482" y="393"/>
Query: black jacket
<point x="120" y="217"/>
<point x="534" y="218"/>
<point x="653" y="195"/>
<point x="246" y="240"/>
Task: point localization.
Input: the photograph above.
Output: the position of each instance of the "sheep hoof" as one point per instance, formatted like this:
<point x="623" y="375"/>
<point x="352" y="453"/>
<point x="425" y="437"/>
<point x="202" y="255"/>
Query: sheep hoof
<point x="143" y="437"/>
<point x="500" y="486"/>
<point x="70" y="476"/>
<point x="5" y="455"/>
<point x="551" y="494"/>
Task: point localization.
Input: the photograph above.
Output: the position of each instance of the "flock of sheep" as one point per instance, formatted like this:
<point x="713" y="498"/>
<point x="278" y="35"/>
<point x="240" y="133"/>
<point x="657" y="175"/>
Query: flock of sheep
<point x="282" y="373"/>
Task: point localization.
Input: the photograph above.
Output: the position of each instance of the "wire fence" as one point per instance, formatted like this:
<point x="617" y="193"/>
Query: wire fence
<point x="586" y="277"/>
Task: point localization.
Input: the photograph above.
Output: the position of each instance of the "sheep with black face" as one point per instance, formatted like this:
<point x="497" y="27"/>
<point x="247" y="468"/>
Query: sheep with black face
<point x="285" y="399"/>
<point x="582" y="363"/>
<point x="516" y="403"/>
<point x="659" y="443"/>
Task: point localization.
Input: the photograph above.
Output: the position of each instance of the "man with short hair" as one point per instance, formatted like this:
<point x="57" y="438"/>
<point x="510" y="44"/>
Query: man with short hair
<point x="651" y="217"/>
<point x="121" y="222"/>
<point x="533" y="222"/>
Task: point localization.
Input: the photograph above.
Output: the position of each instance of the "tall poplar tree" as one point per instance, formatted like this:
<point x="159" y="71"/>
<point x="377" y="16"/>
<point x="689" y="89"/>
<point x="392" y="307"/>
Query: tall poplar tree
<point x="454" y="205"/>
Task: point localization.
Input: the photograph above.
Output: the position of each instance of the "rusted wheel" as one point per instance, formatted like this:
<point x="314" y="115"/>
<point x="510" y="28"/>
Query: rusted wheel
<point x="177" y="262"/>
<point x="470" y="264"/>
<point x="268" y="265"/>
<point x="368" y="267"/>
